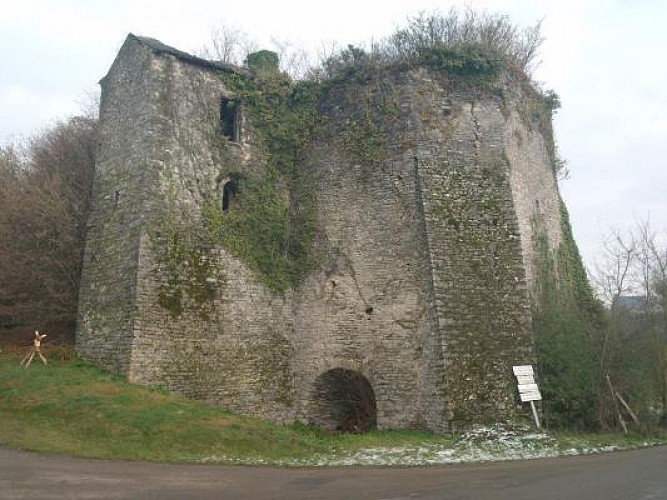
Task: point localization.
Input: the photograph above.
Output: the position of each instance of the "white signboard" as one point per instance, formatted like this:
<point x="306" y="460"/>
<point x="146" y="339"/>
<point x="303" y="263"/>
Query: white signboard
<point x="525" y="379"/>
<point x="528" y="390"/>
<point x="523" y="370"/>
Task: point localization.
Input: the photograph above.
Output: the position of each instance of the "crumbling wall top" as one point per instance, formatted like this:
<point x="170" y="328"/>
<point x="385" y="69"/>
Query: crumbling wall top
<point x="161" y="48"/>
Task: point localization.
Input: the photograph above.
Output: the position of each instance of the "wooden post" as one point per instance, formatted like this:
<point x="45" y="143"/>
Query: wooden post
<point x="618" y="412"/>
<point x="627" y="407"/>
<point x="537" y="419"/>
<point x="528" y="390"/>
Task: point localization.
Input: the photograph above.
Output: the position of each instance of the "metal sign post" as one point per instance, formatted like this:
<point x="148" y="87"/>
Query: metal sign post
<point x="528" y="390"/>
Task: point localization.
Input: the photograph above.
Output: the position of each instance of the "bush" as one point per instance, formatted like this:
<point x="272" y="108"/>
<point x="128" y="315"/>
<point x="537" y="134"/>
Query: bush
<point x="471" y="44"/>
<point x="263" y="60"/>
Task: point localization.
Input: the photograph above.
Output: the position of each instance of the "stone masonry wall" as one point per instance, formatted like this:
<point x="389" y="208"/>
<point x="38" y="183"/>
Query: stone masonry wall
<point x="107" y="307"/>
<point x="428" y="240"/>
<point x="228" y="341"/>
<point x="479" y="281"/>
<point x="534" y="187"/>
<point x="365" y="309"/>
<point x="427" y="193"/>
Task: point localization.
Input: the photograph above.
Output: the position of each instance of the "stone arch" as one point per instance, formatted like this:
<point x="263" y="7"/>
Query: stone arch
<point x="344" y="400"/>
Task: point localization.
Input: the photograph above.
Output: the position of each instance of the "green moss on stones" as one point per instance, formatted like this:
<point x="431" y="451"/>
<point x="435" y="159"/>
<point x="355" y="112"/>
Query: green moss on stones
<point x="187" y="273"/>
<point x="273" y="226"/>
<point x="366" y="133"/>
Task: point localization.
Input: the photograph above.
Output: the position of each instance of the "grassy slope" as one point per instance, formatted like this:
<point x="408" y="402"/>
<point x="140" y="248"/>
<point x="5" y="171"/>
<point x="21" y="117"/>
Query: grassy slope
<point x="76" y="408"/>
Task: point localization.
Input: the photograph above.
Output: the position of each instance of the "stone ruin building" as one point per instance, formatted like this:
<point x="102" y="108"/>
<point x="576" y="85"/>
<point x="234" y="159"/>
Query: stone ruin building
<point x="419" y="302"/>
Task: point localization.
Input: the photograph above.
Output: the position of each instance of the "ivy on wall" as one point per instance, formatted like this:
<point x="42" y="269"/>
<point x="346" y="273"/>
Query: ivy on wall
<point x="567" y="320"/>
<point x="368" y="131"/>
<point x="272" y="227"/>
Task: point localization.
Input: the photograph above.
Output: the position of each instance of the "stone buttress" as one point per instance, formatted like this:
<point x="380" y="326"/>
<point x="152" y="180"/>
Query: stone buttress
<point x="427" y="195"/>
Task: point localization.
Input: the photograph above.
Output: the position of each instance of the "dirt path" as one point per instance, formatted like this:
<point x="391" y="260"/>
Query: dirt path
<point x="638" y="474"/>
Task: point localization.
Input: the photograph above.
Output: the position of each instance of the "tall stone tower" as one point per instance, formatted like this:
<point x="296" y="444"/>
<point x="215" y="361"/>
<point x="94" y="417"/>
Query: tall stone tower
<point x="426" y="194"/>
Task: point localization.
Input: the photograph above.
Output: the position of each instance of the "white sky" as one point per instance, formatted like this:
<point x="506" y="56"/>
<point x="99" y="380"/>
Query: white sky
<point x="605" y="58"/>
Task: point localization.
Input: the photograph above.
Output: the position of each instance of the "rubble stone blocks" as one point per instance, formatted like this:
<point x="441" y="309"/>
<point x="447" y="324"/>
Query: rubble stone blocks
<point x="426" y="289"/>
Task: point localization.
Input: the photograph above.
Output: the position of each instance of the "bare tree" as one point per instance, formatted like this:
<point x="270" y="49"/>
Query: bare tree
<point x="44" y="204"/>
<point x="454" y="29"/>
<point x="327" y="51"/>
<point x="229" y="45"/>
<point x="652" y="273"/>
<point x="613" y="275"/>
<point x="232" y="45"/>
<point x="613" y="279"/>
<point x="295" y="60"/>
<point x="632" y="280"/>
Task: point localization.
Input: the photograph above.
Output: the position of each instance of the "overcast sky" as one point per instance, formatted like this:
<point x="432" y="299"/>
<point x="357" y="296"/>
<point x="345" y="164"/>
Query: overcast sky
<point x="605" y="58"/>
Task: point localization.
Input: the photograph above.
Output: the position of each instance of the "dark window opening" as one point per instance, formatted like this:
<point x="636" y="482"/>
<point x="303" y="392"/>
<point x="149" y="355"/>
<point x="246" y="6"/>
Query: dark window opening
<point x="344" y="401"/>
<point x="228" y="192"/>
<point x="229" y="119"/>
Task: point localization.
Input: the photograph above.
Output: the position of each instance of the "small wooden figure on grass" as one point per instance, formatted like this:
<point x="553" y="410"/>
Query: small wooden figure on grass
<point x="35" y="349"/>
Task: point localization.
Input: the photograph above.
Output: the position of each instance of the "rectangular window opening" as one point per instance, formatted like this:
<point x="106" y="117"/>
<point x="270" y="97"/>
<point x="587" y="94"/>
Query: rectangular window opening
<point x="230" y="119"/>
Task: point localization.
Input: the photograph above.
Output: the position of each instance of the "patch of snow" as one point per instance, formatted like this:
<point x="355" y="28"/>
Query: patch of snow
<point x="480" y="444"/>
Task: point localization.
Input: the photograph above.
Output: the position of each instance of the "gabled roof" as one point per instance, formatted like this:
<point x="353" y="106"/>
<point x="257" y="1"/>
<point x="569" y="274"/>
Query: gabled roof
<point x="160" y="48"/>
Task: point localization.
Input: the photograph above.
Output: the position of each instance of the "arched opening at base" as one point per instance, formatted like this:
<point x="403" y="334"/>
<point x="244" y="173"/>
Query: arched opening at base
<point x="344" y="401"/>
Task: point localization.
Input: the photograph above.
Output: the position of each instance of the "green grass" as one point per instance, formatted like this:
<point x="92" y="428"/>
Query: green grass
<point x="581" y="441"/>
<point x="74" y="408"/>
<point x="78" y="409"/>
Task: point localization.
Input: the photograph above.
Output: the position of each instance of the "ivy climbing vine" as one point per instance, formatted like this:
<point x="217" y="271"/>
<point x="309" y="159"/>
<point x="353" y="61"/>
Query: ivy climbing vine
<point x="273" y="225"/>
<point x="567" y="320"/>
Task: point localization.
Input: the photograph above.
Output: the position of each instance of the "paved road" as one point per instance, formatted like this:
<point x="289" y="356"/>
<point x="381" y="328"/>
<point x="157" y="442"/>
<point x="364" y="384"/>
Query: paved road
<point x="639" y="474"/>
